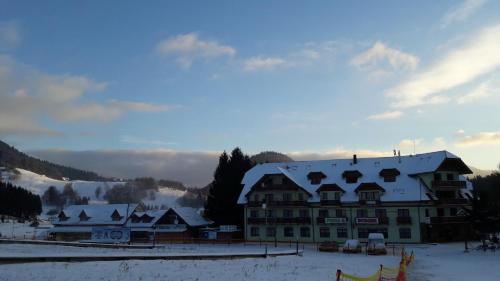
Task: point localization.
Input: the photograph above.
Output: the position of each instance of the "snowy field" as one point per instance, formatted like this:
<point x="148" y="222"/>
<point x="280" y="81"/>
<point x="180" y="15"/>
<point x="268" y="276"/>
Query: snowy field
<point x="433" y="262"/>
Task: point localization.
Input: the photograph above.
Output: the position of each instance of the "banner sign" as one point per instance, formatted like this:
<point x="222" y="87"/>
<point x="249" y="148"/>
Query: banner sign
<point x="335" y="220"/>
<point x="110" y="235"/>
<point x="367" y="220"/>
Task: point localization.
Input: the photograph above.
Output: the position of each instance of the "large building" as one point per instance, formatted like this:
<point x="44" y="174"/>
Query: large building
<point x="411" y="199"/>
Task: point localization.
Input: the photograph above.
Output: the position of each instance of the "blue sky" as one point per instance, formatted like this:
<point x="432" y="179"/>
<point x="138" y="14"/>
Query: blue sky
<point x="316" y="79"/>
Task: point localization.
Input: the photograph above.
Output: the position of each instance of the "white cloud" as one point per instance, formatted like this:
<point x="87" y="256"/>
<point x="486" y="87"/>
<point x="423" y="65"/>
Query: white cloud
<point x="477" y="57"/>
<point x="337" y="153"/>
<point x="10" y="35"/>
<point x="186" y="48"/>
<point x="139" y="140"/>
<point x="483" y="90"/>
<point x="382" y="59"/>
<point x="386" y="115"/>
<point x="258" y="63"/>
<point x="28" y="95"/>
<point x="461" y="12"/>
<point x="482" y="138"/>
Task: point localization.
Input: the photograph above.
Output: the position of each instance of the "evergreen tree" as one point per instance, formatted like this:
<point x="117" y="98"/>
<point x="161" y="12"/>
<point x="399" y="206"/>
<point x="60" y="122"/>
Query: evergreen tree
<point x="221" y="206"/>
<point x="18" y="202"/>
<point x="53" y="197"/>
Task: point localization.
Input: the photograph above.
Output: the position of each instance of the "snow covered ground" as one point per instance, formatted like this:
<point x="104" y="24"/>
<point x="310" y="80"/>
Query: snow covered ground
<point x="433" y="262"/>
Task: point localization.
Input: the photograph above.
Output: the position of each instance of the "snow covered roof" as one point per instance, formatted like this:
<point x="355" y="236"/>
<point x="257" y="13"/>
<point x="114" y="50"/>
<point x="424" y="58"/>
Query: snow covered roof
<point x="407" y="186"/>
<point x="154" y="215"/>
<point x="98" y="214"/>
<point x="191" y="216"/>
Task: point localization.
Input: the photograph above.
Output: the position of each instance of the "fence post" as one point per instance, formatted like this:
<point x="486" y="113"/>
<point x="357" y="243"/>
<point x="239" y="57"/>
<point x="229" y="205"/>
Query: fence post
<point x="297" y="248"/>
<point x="380" y="274"/>
<point x="339" y="272"/>
<point x="266" y="250"/>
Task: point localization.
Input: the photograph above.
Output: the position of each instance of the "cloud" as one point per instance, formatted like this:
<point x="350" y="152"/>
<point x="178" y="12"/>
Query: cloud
<point x="139" y="140"/>
<point x="258" y="63"/>
<point x="380" y="59"/>
<point x="10" y="35"/>
<point x="191" y="168"/>
<point x="338" y="153"/>
<point x="187" y="48"/>
<point x="484" y="89"/>
<point x="28" y="95"/>
<point x="461" y="12"/>
<point x="482" y="138"/>
<point x="477" y="57"/>
<point x="386" y="115"/>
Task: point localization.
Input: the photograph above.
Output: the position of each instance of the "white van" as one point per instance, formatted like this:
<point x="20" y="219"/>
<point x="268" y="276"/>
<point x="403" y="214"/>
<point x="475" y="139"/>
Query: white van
<point x="376" y="244"/>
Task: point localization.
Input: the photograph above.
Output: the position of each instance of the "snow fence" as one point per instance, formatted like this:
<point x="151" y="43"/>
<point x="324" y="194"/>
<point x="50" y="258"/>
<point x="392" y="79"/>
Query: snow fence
<point x="384" y="273"/>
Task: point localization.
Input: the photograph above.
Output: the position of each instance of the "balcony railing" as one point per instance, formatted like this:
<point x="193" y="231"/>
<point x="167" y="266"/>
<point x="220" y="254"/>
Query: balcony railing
<point x="331" y="220"/>
<point x="296" y="220"/>
<point x="278" y="203"/>
<point x="446" y="220"/>
<point x="403" y="220"/>
<point x="448" y="184"/>
<point x="372" y="220"/>
<point x="330" y="202"/>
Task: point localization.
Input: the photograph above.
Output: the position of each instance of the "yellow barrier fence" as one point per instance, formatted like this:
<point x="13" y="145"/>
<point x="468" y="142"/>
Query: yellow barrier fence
<point x="383" y="273"/>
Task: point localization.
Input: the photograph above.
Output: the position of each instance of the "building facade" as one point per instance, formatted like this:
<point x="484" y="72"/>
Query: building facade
<point x="410" y="199"/>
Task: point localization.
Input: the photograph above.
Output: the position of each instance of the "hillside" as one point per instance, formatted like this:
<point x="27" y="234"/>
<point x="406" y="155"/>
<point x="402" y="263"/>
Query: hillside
<point x="270" y="157"/>
<point x="12" y="158"/>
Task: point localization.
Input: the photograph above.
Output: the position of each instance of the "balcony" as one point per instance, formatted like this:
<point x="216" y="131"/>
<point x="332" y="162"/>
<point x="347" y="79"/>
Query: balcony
<point x="369" y="202"/>
<point x="331" y="220"/>
<point x="437" y="184"/>
<point x="403" y="220"/>
<point x="453" y="201"/>
<point x="278" y="203"/>
<point x="296" y="220"/>
<point x="372" y="220"/>
<point x="446" y="220"/>
<point x="330" y="202"/>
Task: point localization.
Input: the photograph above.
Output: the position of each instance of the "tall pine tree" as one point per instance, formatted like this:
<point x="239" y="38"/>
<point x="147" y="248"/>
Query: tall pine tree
<point x="221" y="206"/>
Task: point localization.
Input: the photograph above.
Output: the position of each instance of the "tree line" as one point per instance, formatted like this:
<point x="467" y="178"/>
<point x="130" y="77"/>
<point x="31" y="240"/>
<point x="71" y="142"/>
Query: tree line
<point x="486" y="203"/>
<point x="53" y="197"/>
<point x="18" y="202"/>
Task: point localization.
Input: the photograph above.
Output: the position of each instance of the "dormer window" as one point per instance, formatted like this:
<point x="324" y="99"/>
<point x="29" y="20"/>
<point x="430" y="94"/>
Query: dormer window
<point x="83" y="216"/>
<point x="332" y="188"/>
<point x="62" y="217"/>
<point x="146" y="218"/>
<point x="351" y="176"/>
<point x="316" y="177"/>
<point x="135" y="218"/>
<point x="389" y="175"/>
<point x="116" y="216"/>
<point x="369" y="191"/>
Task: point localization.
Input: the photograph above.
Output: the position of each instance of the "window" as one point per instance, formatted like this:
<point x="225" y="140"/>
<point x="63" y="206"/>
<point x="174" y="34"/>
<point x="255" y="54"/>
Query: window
<point x="369" y="195"/>
<point x="391" y="178"/>
<point x="381" y="213"/>
<point x="437" y="177"/>
<point x="324" y="196"/>
<point x="341" y="232"/>
<point x="440" y="212"/>
<point x="287" y="213"/>
<point x="340" y="213"/>
<point x="336" y="195"/>
<point x="254" y="213"/>
<point x="270" y="213"/>
<point x="256" y="197"/>
<point x="450" y="177"/>
<point x="427" y="213"/>
<point x="301" y="196"/>
<point x="351" y="179"/>
<point x="287" y="197"/>
<point x="404" y="213"/>
<point x="324" y="232"/>
<point x="323" y="213"/>
<point x="305" y="232"/>
<point x="269" y="198"/>
<point x="271" y="232"/>
<point x="288" y="231"/>
<point x="363" y="232"/>
<point x="405" y="233"/>
<point x="453" y="212"/>
<point x="316" y="180"/>
<point x="116" y="216"/>
<point x="254" y="231"/>
<point x="361" y="213"/>
<point x="303" y="213"/>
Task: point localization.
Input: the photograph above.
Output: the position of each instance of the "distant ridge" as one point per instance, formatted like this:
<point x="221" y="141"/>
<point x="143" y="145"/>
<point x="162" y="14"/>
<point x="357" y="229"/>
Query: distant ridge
<point x="10" y="157"/>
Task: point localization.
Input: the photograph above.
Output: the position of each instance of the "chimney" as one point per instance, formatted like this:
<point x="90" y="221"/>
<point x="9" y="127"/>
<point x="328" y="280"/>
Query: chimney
<point x="354" y="159"/>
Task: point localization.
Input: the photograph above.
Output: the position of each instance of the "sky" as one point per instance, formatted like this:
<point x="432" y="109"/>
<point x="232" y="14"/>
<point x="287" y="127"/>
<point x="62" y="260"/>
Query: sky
<point x="314" y="79"/>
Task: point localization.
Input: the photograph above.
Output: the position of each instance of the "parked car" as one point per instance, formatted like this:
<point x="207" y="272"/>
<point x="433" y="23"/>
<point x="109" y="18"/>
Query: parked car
<point x="352" y="246"/>
<point x="328" y="247"/>
<point x="376" y="244"/>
